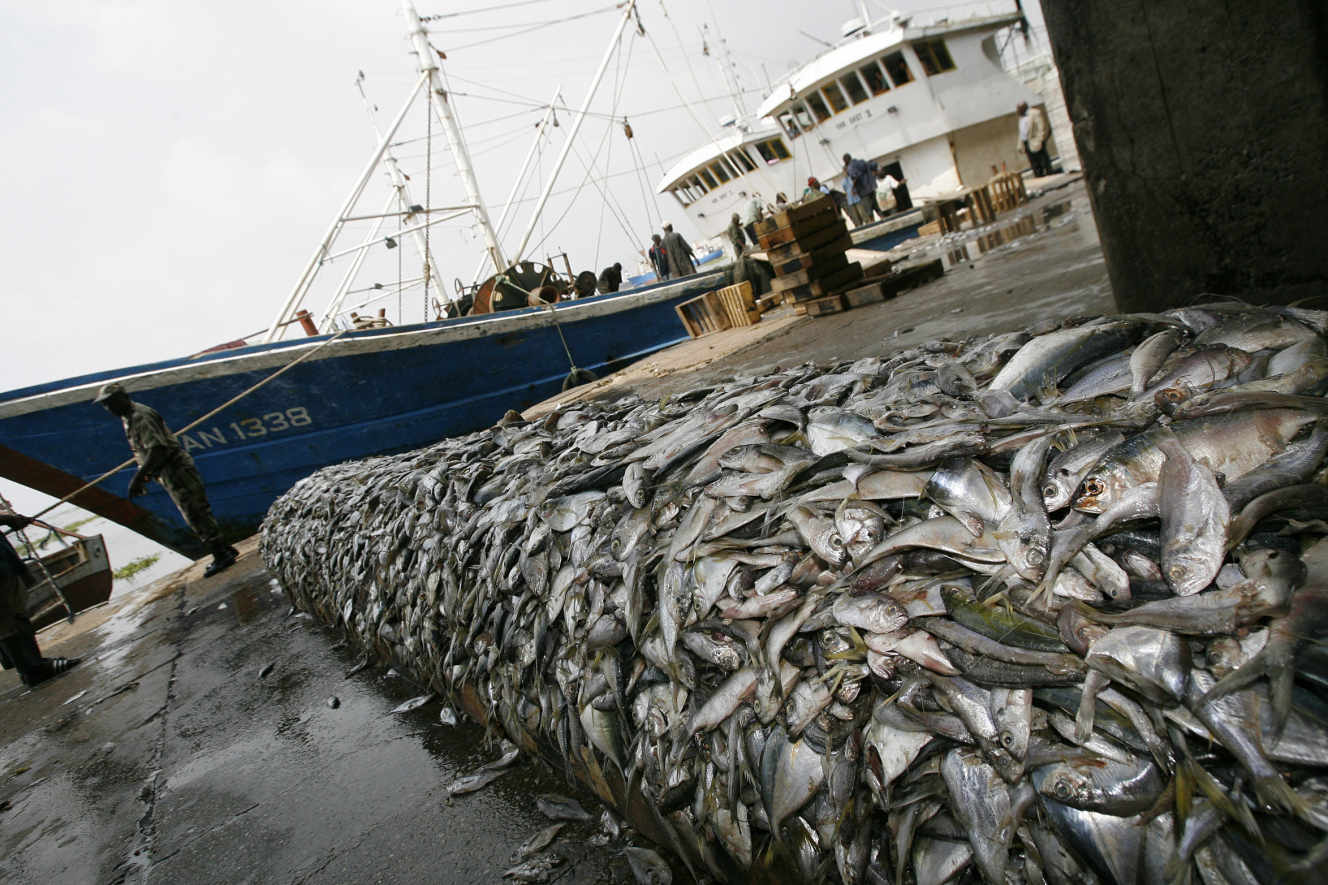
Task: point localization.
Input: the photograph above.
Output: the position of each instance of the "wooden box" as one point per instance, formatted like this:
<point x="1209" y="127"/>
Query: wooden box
<point x="800" y="229"/>
<point x="836" y="282"/>
<point x="797" y="215"/>
<point x="830" y="255"/>
<point x="868" y="294"/>
<point x="830" y="265"/>
<point x="812" y="242"/>
<point x="738" y="304"/>
<point x="820" y="307"/>
<point x="703" y="314"/>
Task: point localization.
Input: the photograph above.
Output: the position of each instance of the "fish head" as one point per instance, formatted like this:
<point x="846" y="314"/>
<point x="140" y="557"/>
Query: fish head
<point x="1066" y="784"/>
<point x="1101" y="488"/>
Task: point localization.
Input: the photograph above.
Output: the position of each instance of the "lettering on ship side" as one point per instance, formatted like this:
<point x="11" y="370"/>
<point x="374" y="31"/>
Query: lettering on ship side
<point x="245" y="429"/>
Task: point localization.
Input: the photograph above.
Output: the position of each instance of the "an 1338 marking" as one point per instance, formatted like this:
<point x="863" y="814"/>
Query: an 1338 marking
<point x="245" y="429"/>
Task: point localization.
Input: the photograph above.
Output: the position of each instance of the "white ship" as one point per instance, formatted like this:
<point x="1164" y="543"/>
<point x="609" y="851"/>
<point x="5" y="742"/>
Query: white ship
<point x="928" y="102"/>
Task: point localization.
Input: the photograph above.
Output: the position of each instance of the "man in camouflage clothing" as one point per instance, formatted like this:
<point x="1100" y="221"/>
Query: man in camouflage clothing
<point x="18" y="641"/>
<point x="161" y="457"/>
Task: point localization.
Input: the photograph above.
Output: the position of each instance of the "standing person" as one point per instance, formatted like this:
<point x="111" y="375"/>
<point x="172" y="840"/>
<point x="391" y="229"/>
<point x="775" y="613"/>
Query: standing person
<point x="860" y="182"/>
<point x="753" y="212"/>
<point x="659" y="259"/>
<point x="682" y="261"/>
<point x="610" y="278"/>
<point x="815" y="187"/>
<point x="858" y="213"/>
<point x="897" y="188"/>
<point x="18" y="641"/>
<point x="735" y="234"/>
<point x="161" y="457"/>
<point x="1033" y="133"/>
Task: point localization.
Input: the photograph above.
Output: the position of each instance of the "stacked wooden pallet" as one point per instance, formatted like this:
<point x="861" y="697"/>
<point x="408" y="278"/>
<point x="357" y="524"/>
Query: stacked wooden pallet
<point x="807" y="246"/>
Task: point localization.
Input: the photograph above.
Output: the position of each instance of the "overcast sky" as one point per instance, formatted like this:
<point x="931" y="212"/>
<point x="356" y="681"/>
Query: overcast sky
<point x="172" y="164"/>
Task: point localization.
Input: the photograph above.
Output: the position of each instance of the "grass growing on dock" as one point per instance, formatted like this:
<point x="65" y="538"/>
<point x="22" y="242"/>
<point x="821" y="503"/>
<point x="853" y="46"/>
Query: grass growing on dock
<point x="138" y="565"/>
<point x="75" y="526"/>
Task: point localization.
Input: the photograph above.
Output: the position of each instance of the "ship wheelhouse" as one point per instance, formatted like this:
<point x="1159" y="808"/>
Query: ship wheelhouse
<point x="928" y="103"/>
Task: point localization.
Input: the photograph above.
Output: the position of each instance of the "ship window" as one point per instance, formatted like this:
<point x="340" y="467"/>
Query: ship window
<point x="729" y="167"/>
<point x="875" y="78"/>
<point x="853" y="86"/>
<point x="933" y="55"/>
<point x="681" y="195"/>
<point x="708" y="179"/>
<point x="720" y="172"/>
<point x="696" y="183"/>
<point x="818" y="107"/>
<point x="790" y="127"/>
<point x="834" y="96"/>
<point x="772" y="150"/>
<point x="898" y="68"/>
<point x="803" y="118"/>
<point x="744" y="162"/>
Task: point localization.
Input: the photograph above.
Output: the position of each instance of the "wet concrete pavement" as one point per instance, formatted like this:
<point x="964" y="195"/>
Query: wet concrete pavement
<point x="165" y="757"/>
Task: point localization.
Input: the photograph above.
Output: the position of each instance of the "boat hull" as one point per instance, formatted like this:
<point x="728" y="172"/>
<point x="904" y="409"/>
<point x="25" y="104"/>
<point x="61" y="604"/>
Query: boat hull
<point x="367" y="393"/>
<point x="82" y="572"/>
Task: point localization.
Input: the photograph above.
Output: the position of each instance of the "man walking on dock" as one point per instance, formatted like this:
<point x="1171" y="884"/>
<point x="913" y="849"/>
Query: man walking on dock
<point x="18" y="641"/>
<point x="161" y="457"/>
<point x="681" y="259"/>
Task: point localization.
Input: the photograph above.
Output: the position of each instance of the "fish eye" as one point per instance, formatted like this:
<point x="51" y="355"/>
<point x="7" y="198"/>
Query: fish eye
<point x="1007" y="740"/>
<point x="1050" y="491"/>
<point x="1094" y="486"/>
<point x="836" y="542"/>
<point x="1034" y="556"/>
<point x="1062" y="789"/>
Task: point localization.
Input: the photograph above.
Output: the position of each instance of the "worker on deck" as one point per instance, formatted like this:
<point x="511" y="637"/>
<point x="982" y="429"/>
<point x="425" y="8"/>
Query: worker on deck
<point x="681" y="259"/>
<point x="860" y="187"/>
<point x="753" y="211"/>
<point x="735" y="235"/>
<point x="610" y="278"/>
<point x="18" y="641"/>
<point x="659" y="259"/>
<point x="161" y="457"/>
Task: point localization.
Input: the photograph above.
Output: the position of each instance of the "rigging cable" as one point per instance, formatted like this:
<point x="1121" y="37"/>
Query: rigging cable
<point x="428" y="201"/>
<point x="537" y="27"/>
<point x="461" y="12"/>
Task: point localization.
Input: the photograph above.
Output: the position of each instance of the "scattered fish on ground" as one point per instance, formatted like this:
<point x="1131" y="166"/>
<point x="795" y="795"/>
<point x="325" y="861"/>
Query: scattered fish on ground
<point x="1021" y="608"/>
<point x="414" y="703"/>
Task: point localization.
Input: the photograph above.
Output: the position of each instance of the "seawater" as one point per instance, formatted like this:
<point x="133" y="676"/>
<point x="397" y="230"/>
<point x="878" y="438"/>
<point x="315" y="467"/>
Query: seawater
<point x="123" y="547"/>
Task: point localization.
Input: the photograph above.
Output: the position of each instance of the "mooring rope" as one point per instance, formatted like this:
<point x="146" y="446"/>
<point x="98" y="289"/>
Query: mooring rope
<point x="230" y="402"/>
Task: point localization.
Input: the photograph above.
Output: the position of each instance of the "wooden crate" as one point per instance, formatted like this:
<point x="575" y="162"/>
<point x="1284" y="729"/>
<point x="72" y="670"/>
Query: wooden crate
<point x="831" y="255"/>
<point x="835" y="283"/>
<point x="809" y="243"/>
<point x="799" y="230"/>
<point x="828" y="267"/>
<point x="911" y="277"/>
<point x="820" y="307"/>
<point x="868" y="294"/>
<point x="930" y="228"/>
<point x="738" y="304"/>
<point x="702" y="315"/>
<point x="794" y="215"/>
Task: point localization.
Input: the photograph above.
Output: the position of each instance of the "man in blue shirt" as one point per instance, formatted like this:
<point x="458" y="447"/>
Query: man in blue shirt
<point x="860" y="185"/>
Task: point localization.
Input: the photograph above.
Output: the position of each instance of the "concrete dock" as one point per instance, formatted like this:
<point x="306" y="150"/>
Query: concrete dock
<point x="174" y="754"/>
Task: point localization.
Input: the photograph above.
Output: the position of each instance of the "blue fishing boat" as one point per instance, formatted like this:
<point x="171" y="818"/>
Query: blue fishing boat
<point x="270" y="411"/>
<point x="364" y="393"/>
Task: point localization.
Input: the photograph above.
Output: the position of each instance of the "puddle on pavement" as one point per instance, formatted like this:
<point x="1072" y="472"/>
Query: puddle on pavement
<point x="964" y="247"/>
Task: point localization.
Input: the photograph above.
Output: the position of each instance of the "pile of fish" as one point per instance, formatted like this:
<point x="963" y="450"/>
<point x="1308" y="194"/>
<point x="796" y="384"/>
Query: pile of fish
<point x="1044" y="606"/>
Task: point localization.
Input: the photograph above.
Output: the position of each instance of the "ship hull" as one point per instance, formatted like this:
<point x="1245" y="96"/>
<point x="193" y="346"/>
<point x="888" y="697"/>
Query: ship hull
<point x="367" y="393"/>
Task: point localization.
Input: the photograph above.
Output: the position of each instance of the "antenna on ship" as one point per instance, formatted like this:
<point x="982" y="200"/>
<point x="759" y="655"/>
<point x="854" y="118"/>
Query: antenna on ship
<point x="428" y="60"/>
<point x="431" y="80"/>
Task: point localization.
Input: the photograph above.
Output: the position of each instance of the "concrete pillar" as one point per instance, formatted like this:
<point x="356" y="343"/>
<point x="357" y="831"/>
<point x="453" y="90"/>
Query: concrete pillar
<point x="1203" y="130"/>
